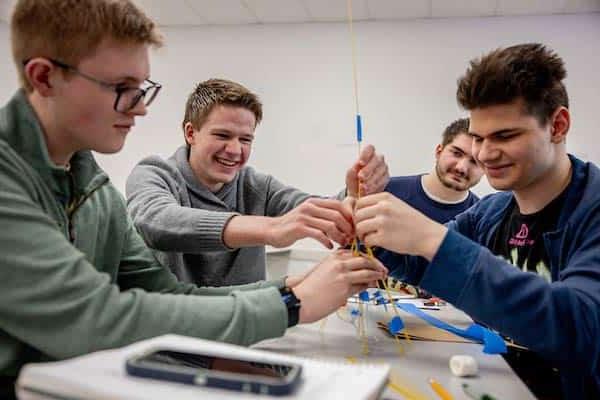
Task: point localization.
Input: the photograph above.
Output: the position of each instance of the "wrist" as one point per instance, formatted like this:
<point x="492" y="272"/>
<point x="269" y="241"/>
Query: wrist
<point x="246" y="231"/>
<point x="431" y="241"/>
<point x="293" y="306"/>
<point x="267" y="229"/>
<point x="292" y="281"/>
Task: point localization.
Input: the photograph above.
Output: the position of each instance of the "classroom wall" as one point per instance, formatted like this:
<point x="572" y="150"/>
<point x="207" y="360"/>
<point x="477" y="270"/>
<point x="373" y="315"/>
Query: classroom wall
<point x="8" y="77"/>
<point x="407" y="75"/>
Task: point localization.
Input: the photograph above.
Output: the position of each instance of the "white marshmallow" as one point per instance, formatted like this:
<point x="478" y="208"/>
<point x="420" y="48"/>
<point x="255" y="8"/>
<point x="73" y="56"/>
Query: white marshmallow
<point x="462" y="365"/>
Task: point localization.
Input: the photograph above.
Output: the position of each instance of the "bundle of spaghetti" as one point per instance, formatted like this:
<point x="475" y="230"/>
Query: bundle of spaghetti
<point x="356" y="243"/>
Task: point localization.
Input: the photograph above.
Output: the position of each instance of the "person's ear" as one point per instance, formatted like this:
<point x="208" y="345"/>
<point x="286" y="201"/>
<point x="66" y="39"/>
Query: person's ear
<point x="560" y="123"/>
<point x="189" y="133"/>
<point x="438" y="151"/>
<point x="41" y="74"/>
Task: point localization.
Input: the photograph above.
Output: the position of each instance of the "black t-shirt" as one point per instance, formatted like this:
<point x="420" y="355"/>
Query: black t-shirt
<point x="519" y="240"/>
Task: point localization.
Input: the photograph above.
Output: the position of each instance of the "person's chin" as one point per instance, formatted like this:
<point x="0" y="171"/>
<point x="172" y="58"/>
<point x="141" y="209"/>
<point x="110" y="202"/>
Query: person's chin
<point x="226" y="177"/>
<point x="500" y="183"/>
<point x="110" y="149"/>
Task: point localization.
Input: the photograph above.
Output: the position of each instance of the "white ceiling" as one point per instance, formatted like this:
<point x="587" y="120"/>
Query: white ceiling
<point x="223" y="12"/>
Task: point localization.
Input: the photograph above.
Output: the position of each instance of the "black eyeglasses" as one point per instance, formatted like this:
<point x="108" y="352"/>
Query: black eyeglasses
<point x="127" y="97"/>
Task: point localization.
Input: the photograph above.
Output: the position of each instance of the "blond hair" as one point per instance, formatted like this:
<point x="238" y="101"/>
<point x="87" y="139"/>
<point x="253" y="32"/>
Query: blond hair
<point x="208" y="94"/>
<point x="70" y="30"/>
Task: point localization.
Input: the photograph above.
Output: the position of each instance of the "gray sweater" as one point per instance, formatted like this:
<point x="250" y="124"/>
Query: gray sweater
<point x="183" y="221"/>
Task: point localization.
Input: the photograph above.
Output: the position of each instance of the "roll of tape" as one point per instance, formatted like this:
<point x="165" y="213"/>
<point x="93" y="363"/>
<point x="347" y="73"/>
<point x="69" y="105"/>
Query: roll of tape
<point x="461" y="365"/>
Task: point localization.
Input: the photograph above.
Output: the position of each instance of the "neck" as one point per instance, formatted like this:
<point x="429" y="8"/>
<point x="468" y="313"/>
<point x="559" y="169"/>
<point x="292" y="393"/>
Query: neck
<point x="537" y="195"/>
<point x="433" y="185"/>
<point x="59" y="149"/>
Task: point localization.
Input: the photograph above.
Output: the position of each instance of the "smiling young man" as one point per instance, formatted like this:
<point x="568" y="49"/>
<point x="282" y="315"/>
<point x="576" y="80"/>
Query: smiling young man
<point x="76" y="276"/>
<point x="444" y="192"/>
<point x="208" y="215"/>
<point x="525" y="261"/>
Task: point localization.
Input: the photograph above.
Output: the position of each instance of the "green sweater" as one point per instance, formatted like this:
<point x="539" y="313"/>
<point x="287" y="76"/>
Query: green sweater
<point x="75" y="275"/>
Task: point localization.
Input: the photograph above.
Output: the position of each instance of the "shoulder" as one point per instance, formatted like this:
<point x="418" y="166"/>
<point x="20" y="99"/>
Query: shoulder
<point x="400" y="180"/>
<point x="401" y="184"/>
<point x="487" y="210"/>
<point x="493" y="201"/>
<point x="154" y="169"/>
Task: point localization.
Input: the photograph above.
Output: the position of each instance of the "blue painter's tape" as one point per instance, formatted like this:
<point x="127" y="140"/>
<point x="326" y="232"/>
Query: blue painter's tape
<point x="492" y="342"/>
<point x="358" y="128"/>
<point x="395" y="325"/>
<point x="364" y="296"/>
<point x="379" y="299"/>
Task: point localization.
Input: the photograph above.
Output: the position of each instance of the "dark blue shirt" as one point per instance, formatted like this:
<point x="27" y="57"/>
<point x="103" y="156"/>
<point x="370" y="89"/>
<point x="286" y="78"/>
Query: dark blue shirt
<point x="410" y="190"/>
<point x="559" y="320"/>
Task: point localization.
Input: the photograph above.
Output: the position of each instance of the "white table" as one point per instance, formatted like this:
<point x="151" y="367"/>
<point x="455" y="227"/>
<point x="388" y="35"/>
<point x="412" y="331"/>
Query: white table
<point x="420" y="361"/>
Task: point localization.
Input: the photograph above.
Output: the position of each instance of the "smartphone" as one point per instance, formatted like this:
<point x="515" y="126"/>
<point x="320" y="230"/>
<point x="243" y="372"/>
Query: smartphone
<point x="241" y="374"/>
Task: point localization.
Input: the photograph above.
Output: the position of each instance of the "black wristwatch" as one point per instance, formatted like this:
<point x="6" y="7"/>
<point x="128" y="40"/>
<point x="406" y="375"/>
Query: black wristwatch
<point x="292" y="304"/>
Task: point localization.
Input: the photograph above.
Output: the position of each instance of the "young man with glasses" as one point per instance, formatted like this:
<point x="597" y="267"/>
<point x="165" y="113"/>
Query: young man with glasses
<point x="208" y="215"/>
<point x="127" y="97"/>
<point x="526" y="260"/>
<point x="76" y="276"/>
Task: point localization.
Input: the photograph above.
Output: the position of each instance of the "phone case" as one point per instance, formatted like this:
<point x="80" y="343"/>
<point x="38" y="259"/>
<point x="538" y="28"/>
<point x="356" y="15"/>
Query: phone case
<point x="194" y="377"/>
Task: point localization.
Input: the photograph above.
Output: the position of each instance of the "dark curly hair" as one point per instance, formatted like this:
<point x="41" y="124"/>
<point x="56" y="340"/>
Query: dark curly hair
<point x="529" y="71"/>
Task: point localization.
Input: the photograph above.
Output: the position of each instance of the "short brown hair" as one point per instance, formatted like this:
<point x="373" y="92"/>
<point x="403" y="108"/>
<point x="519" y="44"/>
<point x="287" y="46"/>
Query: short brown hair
<point x="213" y="92"/>
<point x="530" y="72"/>
<point x="457" y="127"/>
<point x="70" y="30"/>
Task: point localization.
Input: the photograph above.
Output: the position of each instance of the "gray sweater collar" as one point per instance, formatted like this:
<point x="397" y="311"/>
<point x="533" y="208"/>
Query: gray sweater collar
<point x="182" y="163"/>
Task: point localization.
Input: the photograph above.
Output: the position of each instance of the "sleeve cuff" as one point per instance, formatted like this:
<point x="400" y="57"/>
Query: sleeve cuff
<point x="212" y="227"/>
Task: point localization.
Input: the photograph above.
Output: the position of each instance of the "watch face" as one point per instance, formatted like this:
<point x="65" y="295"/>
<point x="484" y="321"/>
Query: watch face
<point x="288" y="298"/>
<point x="292" y="304"/>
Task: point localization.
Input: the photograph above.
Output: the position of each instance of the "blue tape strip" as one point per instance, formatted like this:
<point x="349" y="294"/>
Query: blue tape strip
<point x="364" y="296"/>
<point x="358" y="128"/>
<point x="379" y="299"/>
<point x="492" y="342"/>
<point x="395" y="325"/>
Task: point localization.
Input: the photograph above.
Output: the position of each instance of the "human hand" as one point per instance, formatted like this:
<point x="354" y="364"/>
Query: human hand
<point x="385" y="221"/>
<point x="372" y="172"/>
<point x="329" y="284"/>
<point x="321" y="219"/>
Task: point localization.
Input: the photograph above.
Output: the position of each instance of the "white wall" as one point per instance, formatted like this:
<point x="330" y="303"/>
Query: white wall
<point x="407" y="81"/>
<point x="8" y="76"/>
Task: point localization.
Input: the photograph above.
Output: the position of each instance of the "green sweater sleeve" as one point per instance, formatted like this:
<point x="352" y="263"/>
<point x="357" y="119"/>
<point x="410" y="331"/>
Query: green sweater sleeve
<point x="54" y="300"/>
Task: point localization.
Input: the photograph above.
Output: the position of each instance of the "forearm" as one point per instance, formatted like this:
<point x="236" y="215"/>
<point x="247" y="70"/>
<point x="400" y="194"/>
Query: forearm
<point x="57" y="288"/>
<point x="226" y="290"/>
<point x="430" y="239"/>
<point x="181" y="229"/>
<point x="247" y="231"/>
<point x="496" y="293"/>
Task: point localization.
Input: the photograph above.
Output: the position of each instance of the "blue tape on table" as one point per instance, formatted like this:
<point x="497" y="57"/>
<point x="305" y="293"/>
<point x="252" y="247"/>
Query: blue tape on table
<point x="395" y="325"/>
<point x="364" y="296"/>
<point x="492" y="342"/>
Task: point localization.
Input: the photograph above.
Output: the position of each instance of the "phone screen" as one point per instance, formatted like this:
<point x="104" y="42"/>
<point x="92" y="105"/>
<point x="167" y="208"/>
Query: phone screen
<point x="215" y="363"/>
